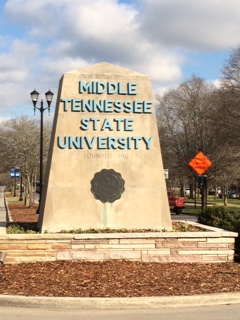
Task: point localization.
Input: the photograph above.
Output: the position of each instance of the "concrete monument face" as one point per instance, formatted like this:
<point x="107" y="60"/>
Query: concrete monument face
<point x="105" y="167"/>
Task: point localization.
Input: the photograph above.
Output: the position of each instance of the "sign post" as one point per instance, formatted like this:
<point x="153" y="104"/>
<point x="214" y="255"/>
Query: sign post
<point x="200" y="163"/>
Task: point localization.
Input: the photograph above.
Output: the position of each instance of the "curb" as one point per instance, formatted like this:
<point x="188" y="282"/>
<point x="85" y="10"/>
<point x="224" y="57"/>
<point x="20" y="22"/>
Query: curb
<point x="120" y="303"/>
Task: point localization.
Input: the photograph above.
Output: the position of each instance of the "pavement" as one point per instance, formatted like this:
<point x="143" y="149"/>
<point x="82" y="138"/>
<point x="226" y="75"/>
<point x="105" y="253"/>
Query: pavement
<point x="119" y="303"/>
<point x="183" y="217"/>
<point x="110" y="303"/>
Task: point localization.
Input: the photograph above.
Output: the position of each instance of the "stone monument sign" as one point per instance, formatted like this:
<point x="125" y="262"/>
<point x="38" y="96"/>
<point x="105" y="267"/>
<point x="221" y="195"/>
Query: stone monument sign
<point x="105" y="166"/>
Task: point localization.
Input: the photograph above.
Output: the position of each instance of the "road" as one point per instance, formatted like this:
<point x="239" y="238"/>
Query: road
<point x="219" y="312"/>
<point x="185" y="217"/>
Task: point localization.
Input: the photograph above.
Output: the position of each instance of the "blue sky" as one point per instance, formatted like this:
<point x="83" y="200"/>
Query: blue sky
<point x="169" y="40"/>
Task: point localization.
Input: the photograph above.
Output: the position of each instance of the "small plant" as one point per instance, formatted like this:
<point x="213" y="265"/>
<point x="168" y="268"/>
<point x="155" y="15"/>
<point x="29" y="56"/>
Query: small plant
<point x="22" y="228"/>
<point x="185" y="227"/>
<point x="109" y="230"/>
<point x="29" y="228"/>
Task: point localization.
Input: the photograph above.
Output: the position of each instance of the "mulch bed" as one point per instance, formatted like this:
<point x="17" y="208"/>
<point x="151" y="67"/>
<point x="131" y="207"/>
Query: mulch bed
<point x="21" y="213"/>
<point x="118" y="279"/>
<point x="113" y="278"/>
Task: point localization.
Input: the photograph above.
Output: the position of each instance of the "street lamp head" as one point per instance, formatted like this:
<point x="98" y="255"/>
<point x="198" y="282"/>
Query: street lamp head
<point x="34" y="96"/>
<point x="49" y="97"/>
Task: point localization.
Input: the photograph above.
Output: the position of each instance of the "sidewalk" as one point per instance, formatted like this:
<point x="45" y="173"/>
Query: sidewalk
<point x="120" y="303"/>
<point x="3" y="213"/>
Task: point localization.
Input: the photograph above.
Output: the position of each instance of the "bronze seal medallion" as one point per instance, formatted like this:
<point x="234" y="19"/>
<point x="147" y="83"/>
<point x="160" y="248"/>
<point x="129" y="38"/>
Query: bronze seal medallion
<point x="107" y="185"/>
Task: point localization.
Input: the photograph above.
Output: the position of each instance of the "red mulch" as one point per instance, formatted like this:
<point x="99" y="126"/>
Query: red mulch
<point x="21" y="213"/>
<point x="118" y="279"/>
<point x="113" y="278"/>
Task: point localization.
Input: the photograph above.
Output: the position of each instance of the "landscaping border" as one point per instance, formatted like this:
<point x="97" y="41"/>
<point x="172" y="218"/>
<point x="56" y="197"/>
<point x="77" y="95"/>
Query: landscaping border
<point x="211" y="245"/>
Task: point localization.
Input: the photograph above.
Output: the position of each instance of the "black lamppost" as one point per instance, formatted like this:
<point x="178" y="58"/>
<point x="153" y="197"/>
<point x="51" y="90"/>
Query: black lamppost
<point x="15" y="184"/>
<point x="16" y="175"/>
<point x="49" y="97"/>
<point x="20" y="197"/>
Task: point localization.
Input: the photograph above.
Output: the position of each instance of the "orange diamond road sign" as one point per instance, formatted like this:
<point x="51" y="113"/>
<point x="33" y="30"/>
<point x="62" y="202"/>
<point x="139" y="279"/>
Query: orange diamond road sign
<point x="200" y="163"/>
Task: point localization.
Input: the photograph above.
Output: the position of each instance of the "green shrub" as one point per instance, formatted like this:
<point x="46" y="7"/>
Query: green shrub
<point x="21" y="227"/>
<point x="221" y="217"/>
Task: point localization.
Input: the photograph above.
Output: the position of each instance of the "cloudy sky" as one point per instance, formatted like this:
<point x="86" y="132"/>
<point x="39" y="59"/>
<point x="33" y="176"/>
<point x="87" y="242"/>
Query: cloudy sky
<point x="169" y="40"/>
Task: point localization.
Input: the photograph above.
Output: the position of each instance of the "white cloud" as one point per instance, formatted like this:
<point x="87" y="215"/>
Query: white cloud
<point x="43" y="39"/>
<point x="39" y="18"/>
<point x="55" y="70"/>
<point x="93" y="29"/>
<point x="112" y="33"/>
<point x="195" y="25"/>
<point x="105" y="21"/>
<point x="14" y="65"/>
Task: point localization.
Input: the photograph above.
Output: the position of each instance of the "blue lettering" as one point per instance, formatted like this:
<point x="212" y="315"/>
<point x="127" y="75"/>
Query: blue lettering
<point x="65" y="104"/>
<point x="127" y="106"/>
<point x="94" y="121"/>
<point x="147" y="142"/>
<point x="94" y="88"/>
<point x="131" y="88"/>
<point x="118" y="106"/>
<point x="120" y="90"/>
<point x="111" y="143"/>
<point x="85" y="87"/>
<point x="84" y="124"/>
<point x="118" y="122"/>
<point x="136" y="142"/>
<point x="101" y="87"/>
<point x="129" y="145"/>
<point x="137" y="107"/>
<point x="102" y="143"/>
<point x="87" y="105"/>
<point x="128" y="124"/>
<point x="76" y="105"/>
<point x="106" y="125"/>
<point x="112" y="87"/>
<point x="122" y="143"/>
<point x="89" y="142"/>
<point x="60" y="144"/>
<point x="75" y="142"/>
<point x="98" y="105"/>
<point x="108" y="106"/>
<point x="147" y="106"/>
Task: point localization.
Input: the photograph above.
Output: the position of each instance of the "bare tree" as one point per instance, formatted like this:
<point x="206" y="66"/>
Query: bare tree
<point x="229" y="101"/>
<point x="187" y="124"/>
<point x="19" y="147"/>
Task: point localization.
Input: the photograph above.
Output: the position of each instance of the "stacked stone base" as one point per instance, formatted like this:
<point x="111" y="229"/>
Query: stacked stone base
<point x="212" y="245"/>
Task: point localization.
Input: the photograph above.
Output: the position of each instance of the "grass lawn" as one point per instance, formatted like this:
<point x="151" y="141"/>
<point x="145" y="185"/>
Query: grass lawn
<point x="211" y="201"/>
<point x="191" y="210"/>
<point x="11" y="198"/>
<point x="189" y="203"/>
